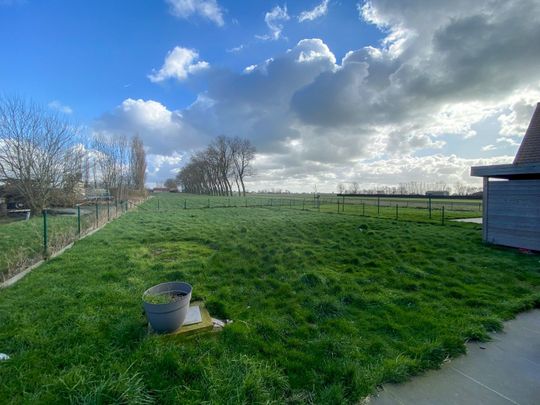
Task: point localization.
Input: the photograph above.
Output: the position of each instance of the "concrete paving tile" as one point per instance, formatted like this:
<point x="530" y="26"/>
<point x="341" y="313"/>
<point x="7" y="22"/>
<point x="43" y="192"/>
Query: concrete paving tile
<point x="505" y="370"/>
<point x="443" y="387"/>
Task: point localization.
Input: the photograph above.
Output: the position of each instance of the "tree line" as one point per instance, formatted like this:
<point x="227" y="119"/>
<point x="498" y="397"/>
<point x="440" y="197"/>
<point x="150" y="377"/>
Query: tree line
<point x="220" y="168"/>
<point x="411" y="188"/>
<point x="45" y="160"/>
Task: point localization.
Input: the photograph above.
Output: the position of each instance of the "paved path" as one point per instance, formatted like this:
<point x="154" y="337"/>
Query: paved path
<point x="505" y="370"/>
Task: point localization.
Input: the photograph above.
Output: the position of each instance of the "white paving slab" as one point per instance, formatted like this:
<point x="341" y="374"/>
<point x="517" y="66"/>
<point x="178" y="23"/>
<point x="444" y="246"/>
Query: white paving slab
<point x="193" y="316"/>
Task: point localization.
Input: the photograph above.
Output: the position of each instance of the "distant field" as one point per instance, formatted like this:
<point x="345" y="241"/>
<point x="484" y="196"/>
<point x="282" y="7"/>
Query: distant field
<point x="408" y="209"/>
<point x="326" y="306"/>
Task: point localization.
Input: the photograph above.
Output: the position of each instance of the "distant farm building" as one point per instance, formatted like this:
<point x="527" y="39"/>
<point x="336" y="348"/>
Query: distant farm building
<point x="160" y="190"/>
<point x="511" y="196"/>
<point x="437" y="193"/>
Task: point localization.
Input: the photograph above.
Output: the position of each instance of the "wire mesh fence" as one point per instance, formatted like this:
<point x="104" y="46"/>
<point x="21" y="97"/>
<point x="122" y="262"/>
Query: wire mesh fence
<point x="25" y="241"/>
<point x="426" y="210"/>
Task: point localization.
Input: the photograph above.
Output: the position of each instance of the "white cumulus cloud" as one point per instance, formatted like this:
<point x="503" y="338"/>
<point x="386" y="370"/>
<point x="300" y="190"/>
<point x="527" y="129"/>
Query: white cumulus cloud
<point x="179" y="64"/>
<point x="208" y="9"/>
<point x="163" y="131"/>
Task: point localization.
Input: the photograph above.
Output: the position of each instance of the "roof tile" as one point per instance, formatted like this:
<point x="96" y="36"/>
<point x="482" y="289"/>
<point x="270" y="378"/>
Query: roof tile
<point x="529" y="151"/>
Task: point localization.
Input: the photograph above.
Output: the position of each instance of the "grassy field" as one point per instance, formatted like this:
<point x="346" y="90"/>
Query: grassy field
<point x="326" y="306"/>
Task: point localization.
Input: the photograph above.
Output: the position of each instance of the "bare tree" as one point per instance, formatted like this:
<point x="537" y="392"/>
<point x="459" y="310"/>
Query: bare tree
<point x="171" y="184"/>
<point x="113" y="158"/>
<point x="38" y="152"/>
<point x="341" y="188"/>
<point x="138" y="163"/>
<point x="355" y="187"/>
<point x="243" y="153"/>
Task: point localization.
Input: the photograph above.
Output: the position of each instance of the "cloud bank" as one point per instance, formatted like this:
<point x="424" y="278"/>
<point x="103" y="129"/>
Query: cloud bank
<point x="383" y="113"/>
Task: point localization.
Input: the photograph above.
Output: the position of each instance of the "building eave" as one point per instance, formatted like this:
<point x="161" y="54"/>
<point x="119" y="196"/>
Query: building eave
<point x="509" y="171"/>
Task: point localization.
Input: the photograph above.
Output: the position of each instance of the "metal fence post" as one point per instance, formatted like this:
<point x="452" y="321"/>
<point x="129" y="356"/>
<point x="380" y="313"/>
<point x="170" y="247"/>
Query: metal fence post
<point x="397" y="211"/>
<point x="304" y="205"/>
<point x="209" y="203"/>
<point x="97" y="214"/>
<point x="185" y="204"/>
<point x="338" y="205"/>
<point x="45" y="234"/>
<point x="442" y="216"/>
<point x="343" y="205"/>
<point x="363" y="209"/>
<point x="116" y="207"/>
<point x="158" y="204"/>
<point x="378" y="205"/>
<point x="429" y="203"/>
<point x="108" y="210"/>
<point x="79" y="220"/>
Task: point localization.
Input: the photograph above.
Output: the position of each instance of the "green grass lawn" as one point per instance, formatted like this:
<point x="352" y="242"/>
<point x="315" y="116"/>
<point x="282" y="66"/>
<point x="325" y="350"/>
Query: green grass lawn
<point x="326" y="306"/>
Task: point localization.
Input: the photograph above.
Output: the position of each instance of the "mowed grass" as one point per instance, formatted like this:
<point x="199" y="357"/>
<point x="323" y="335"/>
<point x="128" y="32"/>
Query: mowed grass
<point x="325" y="306"/>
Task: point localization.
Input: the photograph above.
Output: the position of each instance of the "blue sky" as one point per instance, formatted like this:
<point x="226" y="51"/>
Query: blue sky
<point x="92" y="55"/>
<point x="379" y="92"/>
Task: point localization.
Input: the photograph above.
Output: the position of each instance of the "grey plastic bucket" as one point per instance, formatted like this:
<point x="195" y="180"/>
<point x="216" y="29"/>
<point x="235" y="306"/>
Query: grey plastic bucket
<point x="168" y="317"/>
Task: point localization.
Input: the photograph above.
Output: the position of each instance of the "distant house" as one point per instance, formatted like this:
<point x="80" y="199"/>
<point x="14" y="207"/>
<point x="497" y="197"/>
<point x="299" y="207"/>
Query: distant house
<point x="92" y="194"/>
<point x="160" y="190"/>
<point x="437" y="193"/>
<point x="3" y="207"/>
<point x="511" y="198"/>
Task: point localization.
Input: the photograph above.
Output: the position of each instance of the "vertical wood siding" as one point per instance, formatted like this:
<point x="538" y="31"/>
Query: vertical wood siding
<point x="513" y="213"/>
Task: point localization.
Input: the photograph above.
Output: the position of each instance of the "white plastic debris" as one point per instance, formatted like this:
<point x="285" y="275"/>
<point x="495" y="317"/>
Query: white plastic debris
<point x="219" y="324"/>
<point x="3" y="357"/>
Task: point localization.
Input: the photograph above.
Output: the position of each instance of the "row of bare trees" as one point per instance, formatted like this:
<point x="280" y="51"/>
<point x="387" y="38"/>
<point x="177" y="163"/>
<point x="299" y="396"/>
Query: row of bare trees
<point x="411" y="188"/>
<point x="44" y="158"/>
<point x="218" y="169"/>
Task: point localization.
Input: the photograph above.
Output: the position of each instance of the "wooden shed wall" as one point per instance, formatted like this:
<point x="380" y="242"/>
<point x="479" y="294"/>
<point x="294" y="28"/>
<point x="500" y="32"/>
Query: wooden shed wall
<point x="513" y="213"/>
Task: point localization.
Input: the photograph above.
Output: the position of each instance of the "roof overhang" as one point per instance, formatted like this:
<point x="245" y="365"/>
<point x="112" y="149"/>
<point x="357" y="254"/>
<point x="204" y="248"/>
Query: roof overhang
<point x="529" y="171"/>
